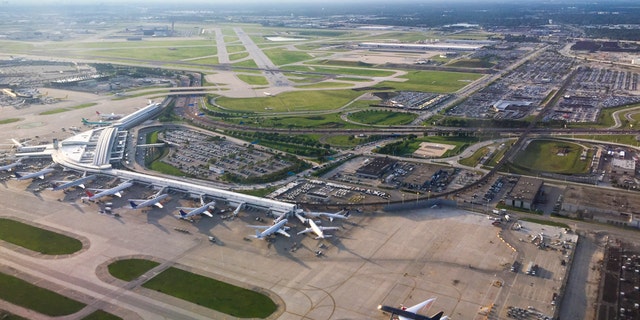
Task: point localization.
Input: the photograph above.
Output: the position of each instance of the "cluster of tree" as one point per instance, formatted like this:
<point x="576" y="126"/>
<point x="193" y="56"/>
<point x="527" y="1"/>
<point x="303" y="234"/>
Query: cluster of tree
<point x="134" y="72"/>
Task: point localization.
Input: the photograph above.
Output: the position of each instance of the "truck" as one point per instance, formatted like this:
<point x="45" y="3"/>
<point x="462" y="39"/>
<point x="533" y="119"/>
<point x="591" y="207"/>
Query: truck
<point x="529" y="268"/>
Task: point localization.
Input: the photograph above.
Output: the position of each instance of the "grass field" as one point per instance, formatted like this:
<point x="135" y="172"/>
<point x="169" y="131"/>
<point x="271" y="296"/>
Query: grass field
<point x="238" y="56"/>
<point x="166" y="168"/>
<point x="475" y="158"/>
<point x="130" y="269"/>
<point x="253" y="80"/>
<point x="615" y="138"/>
<point x="246" y="64"/>
<point x="9" y="120"/>
<point x="27" y="295"/>
<point x="9" y="316"/>
<point x="60" y="110"/>
<point x="332" y="120"/>
<point x="341" y="70"/>
<point x="407" y="147"/>
<point x="344" y="141"/>
<point x="544" y="155"/>
<point x="36" y="239"/>
<point x="432" y="81"/>
<point x="258" y="192"/>
<point x="213" y="294"/>
<point x="380" y="117"/>
<point x="292" y="101"/>
<point x="281" y="56"/>
<point x="326" y="85"/>
<point x="101" y="315"/>
<point x="159" y="54"/>
<point x="236" y="49"/>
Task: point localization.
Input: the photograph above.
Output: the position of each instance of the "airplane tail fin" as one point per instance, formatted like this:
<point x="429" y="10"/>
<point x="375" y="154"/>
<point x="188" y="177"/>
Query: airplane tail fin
<point x="438" y="316"/>
<point x="182" y="213"/>
<point x="17" y="175"/>
<point x="89" y="193"/>
<point x="133" y="204"/>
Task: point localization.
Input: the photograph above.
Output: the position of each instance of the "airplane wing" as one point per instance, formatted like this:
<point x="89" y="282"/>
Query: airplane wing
<point x="307" y="230"/>
<point x="284" y="233"/>
<point x="207" y="213"/>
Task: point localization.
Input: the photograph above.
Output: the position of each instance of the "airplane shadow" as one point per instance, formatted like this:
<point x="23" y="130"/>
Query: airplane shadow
<point x="153" y="218"/>
<point x="285" y="251"/>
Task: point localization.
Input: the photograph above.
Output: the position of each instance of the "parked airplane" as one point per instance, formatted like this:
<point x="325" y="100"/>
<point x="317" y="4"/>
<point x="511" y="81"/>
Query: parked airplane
<point x="331" y="216"/>
<point x="141" y="203"/>
<point x="95" y="123"/>
<point x="10" y="166"/>
<point x="62" y="185"/>
<point x="115" y="191"/>
<point x="32" y="175"/>
<point x="237" y="210"/>
<point x="269" y="230"/>
<point x="204" y="209"/>
<point x="109" y="116"/>
<point x="313" y="227"/>
<point x="412" y="312"/>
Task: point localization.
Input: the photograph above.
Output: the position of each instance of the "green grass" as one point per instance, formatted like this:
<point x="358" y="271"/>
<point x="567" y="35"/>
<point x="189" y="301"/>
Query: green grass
<point x="9" y="120"/>
<point x="84" y="105"/>
<point x="341" y="71"/>
<point x="326" y="85"/>
<point x="36" y="239"/>
<point x="475" y="158"/>
<point x="332" y="120"/>
<point x="546" y="222"/>
<point x="292" y="101"/>
<point x="166" y="168"/>
<point x="213" y="294"/>
<point x="253" y="80"/>
<point x="280" y="56"/>
<point x="616" y="138"/>
<point x="497" y="156"/>
<point x="471" y="63"/>
<point x="344" y="141"/>
<point x="53" y="111"/>
<point x="158" y="54"/>
<point x="542" y="155"/>
<point x="238" y="56"/>
<point x="101" y="315"/>
<point x="380" y="117"/>
<point x="130" y="269"/>
<point x="27" y="295"/>
<point x="235" y="49"/>
<point x="258" y="192"/>
<point x="407" y="147"/>
<point x="249" y="63"/>
<point x="432" y="81"/>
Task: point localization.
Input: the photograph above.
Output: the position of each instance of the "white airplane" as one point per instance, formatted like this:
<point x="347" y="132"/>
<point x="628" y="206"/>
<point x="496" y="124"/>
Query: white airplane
<point x="204" y="209"/>
<point x="331" y="216"/>
<point x="237" y="210"/>
<point x="10" y="166"/>
<point x="32" y="175"/>
<point x="269" y="230"/>
<point x="141" y="203"/>
<point x="115" y="191"/>
<point x="62" y="185"/>
<point x="268" y="94"/>
<point x="109" y="116"/>
<point x="411" y="313"/>
<point x="313" y="227"/>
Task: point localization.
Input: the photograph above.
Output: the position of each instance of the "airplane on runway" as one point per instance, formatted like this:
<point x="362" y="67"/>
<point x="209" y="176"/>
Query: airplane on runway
<point x="404" y="313"/>
<point x="10" y="166"/>
<point x="313" y="227"/>
<point x="141" y="203"/>
<point x="115" y="191"/>
<point x="62" y="185"/>
<point x="269" y="230"/>
<point x="109" y="116"/>
<point x="204" y="209"/>
<point x="95" y="123"/>
<point x="32" y="175"/>
<point x="331" y="216"/>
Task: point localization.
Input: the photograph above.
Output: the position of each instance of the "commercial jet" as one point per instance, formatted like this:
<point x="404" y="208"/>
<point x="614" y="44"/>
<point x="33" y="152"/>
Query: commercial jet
<point x="237" y="210"/>
<point x="269" y="230"/>
<point x="10" y="166"/>
<point x="141" y="203"/>
<point x="63" y="185"/>
<point x="331" y="216"/>
<point x="204" y="209"/>
<point x="95" y="123"/>
<point x="32" y="175"/>
<point x="313" y="227"/>
<point x="109" y="116"/>
<point x="115" y="191"/>
<point x="404" y="313"/>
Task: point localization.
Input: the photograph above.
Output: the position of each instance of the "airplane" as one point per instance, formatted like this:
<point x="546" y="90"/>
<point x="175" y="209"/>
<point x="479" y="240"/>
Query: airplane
<point x="141" y="203"/>
<point x="404" y="313"/>
<point x="75" y="183"/>
<point x="313" y="227"/>
<point x="269" y="230"/>
<point x="115" y="191"/>
<point x="109" y="116"/>
<point x="204" y="209"/>
<point x="331" y="216"/>
<point x="95" y="123"/>
<point x="237" y="210"/>
<point x="268" y="94"/>
<point x="32" y="175"/>
<point x="10" y="166"/>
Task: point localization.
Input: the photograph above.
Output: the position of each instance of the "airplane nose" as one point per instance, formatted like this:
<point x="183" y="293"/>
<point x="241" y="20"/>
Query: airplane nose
<point x="379" y="307"/>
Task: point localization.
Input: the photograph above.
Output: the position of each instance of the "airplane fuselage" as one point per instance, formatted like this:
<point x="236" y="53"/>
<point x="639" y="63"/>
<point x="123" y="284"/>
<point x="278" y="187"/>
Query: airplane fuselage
<point x="408" y="314"/>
